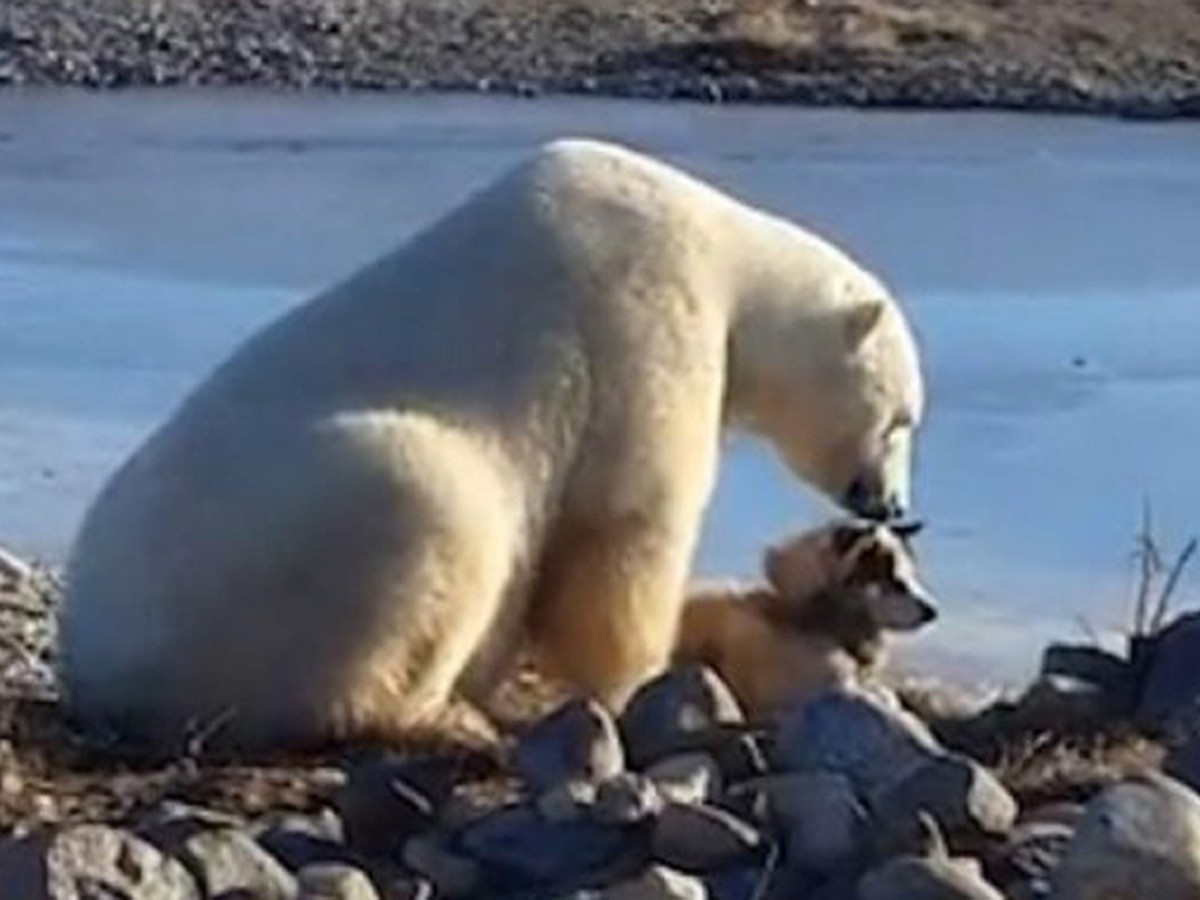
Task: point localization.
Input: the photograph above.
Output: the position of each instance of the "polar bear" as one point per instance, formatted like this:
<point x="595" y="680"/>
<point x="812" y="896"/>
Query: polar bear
<point x="505" y="431"/>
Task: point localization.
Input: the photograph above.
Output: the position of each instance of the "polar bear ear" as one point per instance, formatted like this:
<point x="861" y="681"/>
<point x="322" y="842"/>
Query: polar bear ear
<point x="861" y="320"/>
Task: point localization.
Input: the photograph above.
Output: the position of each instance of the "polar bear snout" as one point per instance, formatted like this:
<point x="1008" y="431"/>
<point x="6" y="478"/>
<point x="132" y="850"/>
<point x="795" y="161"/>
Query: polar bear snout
<point x="868" y="497"/>
<point x="880" y="490"/>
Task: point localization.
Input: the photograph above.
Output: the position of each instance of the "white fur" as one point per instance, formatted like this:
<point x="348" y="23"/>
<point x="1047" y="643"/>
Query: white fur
<point x="507" y="427"/>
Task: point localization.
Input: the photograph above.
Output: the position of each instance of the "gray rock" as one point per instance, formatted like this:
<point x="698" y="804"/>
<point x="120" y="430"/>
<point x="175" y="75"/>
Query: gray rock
<point x="1170" y="695"/>
<point x="410" y="889"/>
<point x="856" y="734"/>
<point x="966" y="799"/>
<point x="823" y="823"/>
<point x="577" y="742"/>
<point x="927" y="878"/>
<point x="332" y="881"/>
<point x="91" y="861"/>
<point x="299" y="841"/>
<point x="657" y="883"/>
<point x="1062" y="812"/>
<point x="451" y="873"/>
<point x="171" y="822"/>
<point x="1060" y="702"/>
<point x="687" y="778"/>
<point x="225" y="861"/>
<point x="1112" y="675"/>
<point x="739" y="755"/>
<point x="842" y="886"/>
<point x="1183" y="761"/>
<point x="516" y="847"/>
<point x="569" y="801"/>
<point x="627" y="798"/>
<point x="675" y="713"/>
<point x="1139" y="839"/>
<point x="702" y="838"/>
<point x="326" y="824"/>
<point x="387" y="800"/>
<point x="737" y="883"/>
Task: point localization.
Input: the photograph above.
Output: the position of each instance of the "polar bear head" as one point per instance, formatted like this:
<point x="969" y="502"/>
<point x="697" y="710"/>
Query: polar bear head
<point x="824" y="366"/>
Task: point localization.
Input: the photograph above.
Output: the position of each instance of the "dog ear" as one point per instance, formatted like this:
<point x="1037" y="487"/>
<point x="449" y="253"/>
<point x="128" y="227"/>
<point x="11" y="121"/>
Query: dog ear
<point x="907" y="530"/>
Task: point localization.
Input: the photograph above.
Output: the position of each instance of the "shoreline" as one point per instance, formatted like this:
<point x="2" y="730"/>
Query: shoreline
<point x="944" y="54"/>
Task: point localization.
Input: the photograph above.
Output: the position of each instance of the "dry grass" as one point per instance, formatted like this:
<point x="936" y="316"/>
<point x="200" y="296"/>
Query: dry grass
<point x="1048" y="768"/>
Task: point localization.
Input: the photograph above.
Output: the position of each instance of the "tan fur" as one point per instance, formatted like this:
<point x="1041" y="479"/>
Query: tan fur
<point x="767" y="666"/>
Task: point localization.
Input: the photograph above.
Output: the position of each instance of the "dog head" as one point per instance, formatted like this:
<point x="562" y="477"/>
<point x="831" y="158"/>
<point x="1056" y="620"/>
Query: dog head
<point x="856" y="563"/>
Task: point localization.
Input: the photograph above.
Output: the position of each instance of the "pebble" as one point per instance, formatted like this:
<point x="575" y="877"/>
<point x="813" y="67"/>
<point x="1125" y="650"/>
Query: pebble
<point x="577" y="742"/>
<point x="86" y="861"/>
<point x="675" y="713"/>
<point x="1138" y="839"/>
<point x="699" y="839"/>
<point x="333" y="881"/>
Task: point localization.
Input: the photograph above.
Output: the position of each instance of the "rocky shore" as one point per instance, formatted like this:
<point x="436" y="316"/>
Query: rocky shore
<point x="1080" y="788"/>
<point x="1118" y="57"/>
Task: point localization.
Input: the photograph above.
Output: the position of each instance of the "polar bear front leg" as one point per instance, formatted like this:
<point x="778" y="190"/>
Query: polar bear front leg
<point x="608" y="603"/>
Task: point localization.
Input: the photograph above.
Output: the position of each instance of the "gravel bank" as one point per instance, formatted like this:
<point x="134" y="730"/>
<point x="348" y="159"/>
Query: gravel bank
<point x="1070" y="55"/>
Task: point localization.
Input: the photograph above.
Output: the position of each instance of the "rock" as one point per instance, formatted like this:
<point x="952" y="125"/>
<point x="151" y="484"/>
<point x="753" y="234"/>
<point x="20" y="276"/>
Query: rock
<point x="626" y="799"/>
<point x="675" y="713"/>
<point x="927" y="878"/>
<point x="966" y="799"/>
<point x="702" y="838"/>
<point x="452" y="874"/>
<point x="687" y="778"/>
<point x="332" y="881"/>
<point x="842" y="886"/>
<point x="854" y="733"/>
<point x="1023" y="866"/>
<point x="568" y="801"/>
<point x="225" y="861"/>
<point x="1183" y="762"/>
<point x="516" y="847"/>
<point x="1062" y="812"/>
<point x="1170" y="695"/>
<point x="171" y="822"/>
<point x="326" y="824"/>
<point x="385" y="800"/>
<point x="299" y="841"/>
<point x="738" y="754"/>
<point x="1138" y="839"/>
<point x="1113" y="676"/>
<point x="462" y="809"/>
<point x="1060" y="703"/>
<point x="656" y="883"/>
<point x="737" y="883"/>
<point x="579" y="741"/>
<point x="822" y="820"/>
<point x="91" y="861"/>
<point x="410" y="889"/>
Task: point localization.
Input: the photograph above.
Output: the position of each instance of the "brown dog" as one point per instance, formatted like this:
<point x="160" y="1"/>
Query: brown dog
<point x="818" y="621"/>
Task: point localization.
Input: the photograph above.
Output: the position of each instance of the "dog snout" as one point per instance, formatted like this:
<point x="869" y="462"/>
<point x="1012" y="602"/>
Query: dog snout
<point x="927" y="613"/>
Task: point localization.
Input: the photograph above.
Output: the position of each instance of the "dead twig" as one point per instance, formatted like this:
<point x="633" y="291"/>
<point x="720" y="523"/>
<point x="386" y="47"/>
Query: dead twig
<point x="1160" y="612"/>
